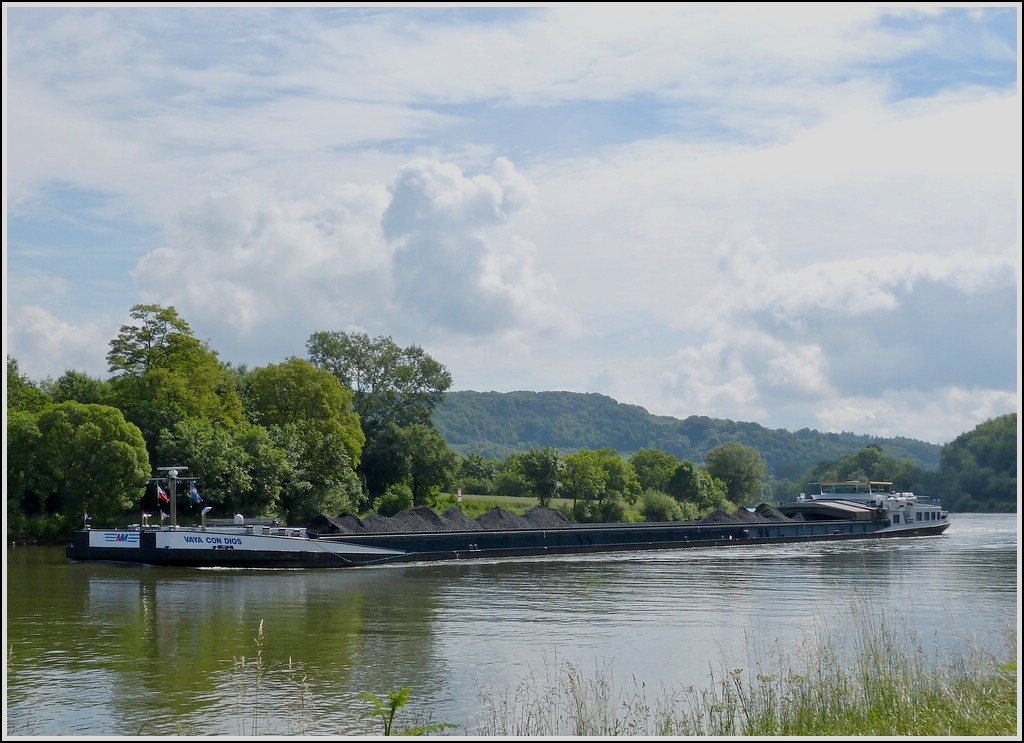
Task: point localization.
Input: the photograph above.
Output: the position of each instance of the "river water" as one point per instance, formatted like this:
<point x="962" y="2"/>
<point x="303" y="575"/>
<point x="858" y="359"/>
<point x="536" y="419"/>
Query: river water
<point x="101" y="650"/>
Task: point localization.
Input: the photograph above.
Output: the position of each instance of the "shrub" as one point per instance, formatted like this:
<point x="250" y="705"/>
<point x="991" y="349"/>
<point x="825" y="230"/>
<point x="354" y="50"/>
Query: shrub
<point x="659" y="506"/>
<point x="396" y="499"/>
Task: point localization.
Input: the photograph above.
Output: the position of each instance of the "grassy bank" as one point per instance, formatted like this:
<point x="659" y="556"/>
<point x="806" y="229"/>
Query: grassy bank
<point x="868" y="675"/>
<point x="474" y="505"/>
<point x="878" y="681"/>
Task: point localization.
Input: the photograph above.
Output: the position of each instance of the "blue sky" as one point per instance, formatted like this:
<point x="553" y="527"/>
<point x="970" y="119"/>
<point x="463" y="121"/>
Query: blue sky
<point x="805" y="216"/>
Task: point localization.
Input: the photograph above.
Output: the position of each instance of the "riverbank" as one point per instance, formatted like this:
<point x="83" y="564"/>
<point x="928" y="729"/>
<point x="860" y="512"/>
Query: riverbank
<point x="878" y="681"/>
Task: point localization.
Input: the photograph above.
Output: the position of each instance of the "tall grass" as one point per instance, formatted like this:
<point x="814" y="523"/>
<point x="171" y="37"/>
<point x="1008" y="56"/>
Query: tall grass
<point x="865" y="673"/>
<point x="875" y="680"/>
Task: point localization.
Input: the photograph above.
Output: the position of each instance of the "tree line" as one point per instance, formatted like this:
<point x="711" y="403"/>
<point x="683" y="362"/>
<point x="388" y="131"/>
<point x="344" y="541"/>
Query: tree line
<point x="498" y="424"/>
<point x="347" y="429"/>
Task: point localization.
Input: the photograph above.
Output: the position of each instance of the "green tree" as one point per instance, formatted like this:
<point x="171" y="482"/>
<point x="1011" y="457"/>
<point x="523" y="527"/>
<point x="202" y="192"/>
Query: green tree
<point x="659" y="506"/>
<point x="22" y="393"/>
<point x="322" y="479"/>
<point x="24" y="498"/>
<point x="77" y="386"/>
<point x="163" y="374"/>
<point x="696" y="490"/>
<point x="393" y="388"/>
<point x="583" y="479"/>
<point x="541" y="469"/>
<point x="476" y="474"/>
<point x="392" y="385"/>
<point x="654" y="468"/>
<point x="428" y="462"/>
<point x="620" y="477"/>
<point x="296" y="392"/>
<point x="509" y="480"/>
<point x="978" y="469"/>
<point x="90" y="459"/>
<point x="237" y="470"/>
<point x="869" y="463"/>
<point x="309" y="416"/>
<point x="741" y="468"/>
<point x="397" y="498"/>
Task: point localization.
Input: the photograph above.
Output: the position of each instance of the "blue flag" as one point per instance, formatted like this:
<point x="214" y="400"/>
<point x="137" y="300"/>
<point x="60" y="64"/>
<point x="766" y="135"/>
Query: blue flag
<point x="193" y="493"/>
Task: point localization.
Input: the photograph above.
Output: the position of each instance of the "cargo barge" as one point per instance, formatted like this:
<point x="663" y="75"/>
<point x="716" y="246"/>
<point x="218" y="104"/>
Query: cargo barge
<point x="829" y="511"/>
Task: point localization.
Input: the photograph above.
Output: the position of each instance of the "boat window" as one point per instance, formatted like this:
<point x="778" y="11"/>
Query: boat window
<point x="896" y="518"/>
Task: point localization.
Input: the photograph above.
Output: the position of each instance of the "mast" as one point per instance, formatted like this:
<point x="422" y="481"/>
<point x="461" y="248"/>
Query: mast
<point x="172" y="481"/>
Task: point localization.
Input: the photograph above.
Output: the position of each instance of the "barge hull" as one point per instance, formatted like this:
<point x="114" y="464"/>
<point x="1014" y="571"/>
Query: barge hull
<point x="186" y="548"/>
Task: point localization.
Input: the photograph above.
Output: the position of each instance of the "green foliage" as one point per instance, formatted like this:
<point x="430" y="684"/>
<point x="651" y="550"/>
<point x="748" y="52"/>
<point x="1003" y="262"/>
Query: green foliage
<point x="308" y="415"/>
<point x="499" y="424"/>
<point x="696" y="488"/>
<point x="428" y="462"/>
<point x="394" y="388"/>
<point x="386" y="709"/>
<point x="476" y="474"/>
<point x="299" y="447"/>
<point x="540" y="469"/>
<point x="510" y="480"/>
<point x="873" y="679"/>
<point x="392" y="385"/>
<point x="89" y="459"/>
<point x="613" y="509"/>
<point x="296" y="392"/>
<point x="76" y="386"/>
<point x="164" y="375"/>
<point x="154" y="340"/>
<point x="22" y="393"/>
<point x="620" y="478"/>
<point x="740" y="467"/>
<point x="658" y="506"/>
<point x="583" y="476"/>
<point x="654" y="468"/>
<point x="238" y="469"/>
<point x="24" y="495"/>
<point x="979" y="468"/>
<point x="396" y="499"/>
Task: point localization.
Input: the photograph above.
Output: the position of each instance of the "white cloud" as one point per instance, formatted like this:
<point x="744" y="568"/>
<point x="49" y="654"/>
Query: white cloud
<point x="49" y="346"/>
<point x="247" y="256"/>
<point x="419" y="258"/>
<point x="448" y="273"/>
<point x="698" y="211"/>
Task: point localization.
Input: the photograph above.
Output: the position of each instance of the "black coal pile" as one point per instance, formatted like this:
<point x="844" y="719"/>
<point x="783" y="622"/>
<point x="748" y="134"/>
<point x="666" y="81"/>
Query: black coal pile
<point x="770" y="513"/>
<point x="718" y="516"/>
<point x="423" y="519"/>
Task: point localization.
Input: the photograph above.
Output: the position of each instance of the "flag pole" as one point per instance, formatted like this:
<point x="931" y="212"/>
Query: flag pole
<point x="172" y="479"/>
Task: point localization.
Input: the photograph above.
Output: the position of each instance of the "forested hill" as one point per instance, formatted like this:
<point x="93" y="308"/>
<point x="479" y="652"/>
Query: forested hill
<point x="498" y="424"/>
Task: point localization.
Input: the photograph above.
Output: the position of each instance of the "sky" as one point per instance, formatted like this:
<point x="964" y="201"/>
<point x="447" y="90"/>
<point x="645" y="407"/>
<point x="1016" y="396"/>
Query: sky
<point x="797" y="215"/>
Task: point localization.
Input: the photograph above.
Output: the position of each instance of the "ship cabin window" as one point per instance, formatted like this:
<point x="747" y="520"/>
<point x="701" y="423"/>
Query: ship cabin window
<point x="895" y="518"/>
<point x="918" y="515"/>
